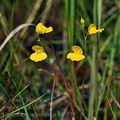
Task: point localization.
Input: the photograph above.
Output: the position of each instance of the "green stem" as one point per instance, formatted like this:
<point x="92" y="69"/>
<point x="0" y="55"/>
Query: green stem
<point x="93" y="83"/>
<point x="76" y="94"/>
<point x="85" y="40"/>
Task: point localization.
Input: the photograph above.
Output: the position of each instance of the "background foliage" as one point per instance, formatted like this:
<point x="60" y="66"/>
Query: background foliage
<point x="23" y="82"/>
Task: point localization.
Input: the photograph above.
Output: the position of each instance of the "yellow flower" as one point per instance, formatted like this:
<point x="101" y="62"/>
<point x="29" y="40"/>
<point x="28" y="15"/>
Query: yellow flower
<point x="39" y="53"/>
<point x="41" y="29"/>
<point x="82" y="21"/>
<point x="93" y="30"/>
<point x="77" y="54"/>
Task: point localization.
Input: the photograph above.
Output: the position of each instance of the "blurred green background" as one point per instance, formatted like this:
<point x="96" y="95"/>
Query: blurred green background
<point x="94" y="94"/>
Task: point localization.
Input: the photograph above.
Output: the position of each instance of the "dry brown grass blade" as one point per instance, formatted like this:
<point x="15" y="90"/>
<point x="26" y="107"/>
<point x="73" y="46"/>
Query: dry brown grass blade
<point x="47" y="10"/>
<point x="32" y="15"/>
<point x="11" y="34"/>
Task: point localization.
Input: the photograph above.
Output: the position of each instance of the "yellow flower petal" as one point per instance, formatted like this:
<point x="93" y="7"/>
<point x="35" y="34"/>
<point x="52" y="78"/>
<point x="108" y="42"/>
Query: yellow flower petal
<point x="37" y="48"/>
<point x="77" y="49"/>
<point x="41" y="29"/>
<point x="50" y="29"/>
<point x="100" y="30"/>
<point x="82" y="21"/>
<point x="93" y="30"/>
<point x="38" y="56"/>
<point x="75" y="56"/>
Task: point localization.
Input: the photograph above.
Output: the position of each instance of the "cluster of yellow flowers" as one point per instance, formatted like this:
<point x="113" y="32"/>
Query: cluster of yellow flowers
<point x="76" y="55"/>
<point x="39" y="53"/>
<point x="92" y="29"/>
